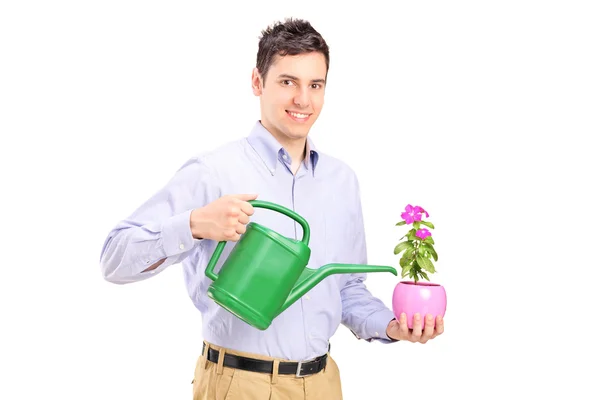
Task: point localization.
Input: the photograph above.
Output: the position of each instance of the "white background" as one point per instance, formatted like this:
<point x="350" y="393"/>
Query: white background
<point x="484" y="113"/>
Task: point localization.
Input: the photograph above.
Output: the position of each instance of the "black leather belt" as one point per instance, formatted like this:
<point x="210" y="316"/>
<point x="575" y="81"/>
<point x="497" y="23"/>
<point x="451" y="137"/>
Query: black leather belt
<point x="299" y="369"/>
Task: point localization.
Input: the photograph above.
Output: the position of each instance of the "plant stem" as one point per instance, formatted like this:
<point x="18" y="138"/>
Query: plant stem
<point x="416" y="276"/>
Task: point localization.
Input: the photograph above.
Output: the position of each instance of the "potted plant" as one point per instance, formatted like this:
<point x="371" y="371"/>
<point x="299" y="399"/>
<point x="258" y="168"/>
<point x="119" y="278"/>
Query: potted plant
<point x="418" y="254"/>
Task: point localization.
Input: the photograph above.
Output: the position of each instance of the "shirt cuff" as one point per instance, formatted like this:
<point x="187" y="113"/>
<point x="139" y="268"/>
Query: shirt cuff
<point x="177" y="234"/>
<point x="376" y="327"/>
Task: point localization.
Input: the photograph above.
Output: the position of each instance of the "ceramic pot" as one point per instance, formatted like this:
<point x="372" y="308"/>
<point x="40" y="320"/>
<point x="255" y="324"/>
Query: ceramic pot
<point x="422" y="297"/>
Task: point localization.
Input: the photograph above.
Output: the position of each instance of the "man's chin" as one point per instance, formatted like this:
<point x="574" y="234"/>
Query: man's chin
<point x="297" y="134"/>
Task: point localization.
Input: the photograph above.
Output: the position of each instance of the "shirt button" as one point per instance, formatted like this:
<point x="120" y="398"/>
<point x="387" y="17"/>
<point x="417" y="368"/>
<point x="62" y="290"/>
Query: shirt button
<point x="307" y="297"/>
<point x="181" y="246"/>
<point x="376" y="334"/>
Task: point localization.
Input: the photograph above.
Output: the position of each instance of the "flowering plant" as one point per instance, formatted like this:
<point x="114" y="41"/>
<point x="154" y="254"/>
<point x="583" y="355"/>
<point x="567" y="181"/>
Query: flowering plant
<point x="418" y="246"/>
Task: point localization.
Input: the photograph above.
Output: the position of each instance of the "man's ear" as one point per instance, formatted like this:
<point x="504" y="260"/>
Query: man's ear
<point x="257" y="83"/>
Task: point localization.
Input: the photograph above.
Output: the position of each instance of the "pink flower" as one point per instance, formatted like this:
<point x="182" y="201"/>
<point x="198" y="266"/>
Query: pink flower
<point x="413" y="214"/>
<point x="420" y="210"/>
<point x="422" y="233"/>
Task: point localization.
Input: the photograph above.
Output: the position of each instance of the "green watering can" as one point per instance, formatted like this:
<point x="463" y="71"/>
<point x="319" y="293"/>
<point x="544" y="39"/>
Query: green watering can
<point x="266" y="272"/>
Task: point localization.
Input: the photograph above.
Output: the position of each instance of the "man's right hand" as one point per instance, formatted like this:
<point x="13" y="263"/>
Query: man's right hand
<point x="223" y="219"/>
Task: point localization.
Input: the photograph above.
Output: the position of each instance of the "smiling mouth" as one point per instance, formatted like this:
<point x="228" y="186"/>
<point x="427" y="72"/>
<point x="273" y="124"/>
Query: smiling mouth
<point x="296" y="116"/>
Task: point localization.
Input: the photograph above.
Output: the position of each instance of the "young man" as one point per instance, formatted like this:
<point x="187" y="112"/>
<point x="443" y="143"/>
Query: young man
<point x="207" y="202"/>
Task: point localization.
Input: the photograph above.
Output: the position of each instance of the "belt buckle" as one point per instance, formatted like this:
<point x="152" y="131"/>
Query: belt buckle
<point x="298" y="375"/>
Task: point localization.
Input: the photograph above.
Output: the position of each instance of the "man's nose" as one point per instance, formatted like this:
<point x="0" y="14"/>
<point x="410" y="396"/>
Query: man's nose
<point x="302" y="98"/>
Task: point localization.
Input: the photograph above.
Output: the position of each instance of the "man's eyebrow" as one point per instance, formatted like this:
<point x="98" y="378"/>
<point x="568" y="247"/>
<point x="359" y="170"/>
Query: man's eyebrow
<point x="294" y="78"/>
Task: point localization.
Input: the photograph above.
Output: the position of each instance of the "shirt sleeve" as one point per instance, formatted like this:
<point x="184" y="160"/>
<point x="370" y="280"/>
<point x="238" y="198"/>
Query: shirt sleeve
<point x="364" y="314"/>
<point x="160" y="228"/>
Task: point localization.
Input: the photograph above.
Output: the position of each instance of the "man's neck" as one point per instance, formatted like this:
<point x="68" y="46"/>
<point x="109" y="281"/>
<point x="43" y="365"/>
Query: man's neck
<point x="297" y="151"/>
<point x="295" y="148"/>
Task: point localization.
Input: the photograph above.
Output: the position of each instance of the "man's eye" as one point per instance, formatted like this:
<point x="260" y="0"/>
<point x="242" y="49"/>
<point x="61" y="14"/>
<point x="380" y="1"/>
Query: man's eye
<point x="316" y="86"/>
<point x="286" y="82"/>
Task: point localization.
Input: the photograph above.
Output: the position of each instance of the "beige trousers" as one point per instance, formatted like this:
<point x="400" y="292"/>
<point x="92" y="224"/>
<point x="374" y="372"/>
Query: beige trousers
<point x="213" y="381"/>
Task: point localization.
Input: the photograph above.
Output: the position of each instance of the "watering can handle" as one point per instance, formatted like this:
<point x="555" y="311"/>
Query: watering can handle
<point x="260" y="204"/>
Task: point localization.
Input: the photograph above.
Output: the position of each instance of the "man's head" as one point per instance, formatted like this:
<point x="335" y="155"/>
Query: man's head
<point x="290" y="76"/>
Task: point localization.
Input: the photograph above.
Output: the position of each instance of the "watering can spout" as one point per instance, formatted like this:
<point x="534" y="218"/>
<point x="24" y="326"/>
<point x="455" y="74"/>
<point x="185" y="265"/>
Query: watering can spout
<point x="311" y="277"/>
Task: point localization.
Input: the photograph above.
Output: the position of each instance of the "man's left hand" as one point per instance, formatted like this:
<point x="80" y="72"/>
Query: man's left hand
<point x="398" y="330"/>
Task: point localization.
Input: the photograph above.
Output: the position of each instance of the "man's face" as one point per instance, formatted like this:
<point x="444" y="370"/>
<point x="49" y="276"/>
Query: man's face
<point x="292" y="94"/>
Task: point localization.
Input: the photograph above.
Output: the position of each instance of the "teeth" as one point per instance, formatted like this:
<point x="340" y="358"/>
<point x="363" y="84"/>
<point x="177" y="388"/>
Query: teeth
<point x="299" y="115"/>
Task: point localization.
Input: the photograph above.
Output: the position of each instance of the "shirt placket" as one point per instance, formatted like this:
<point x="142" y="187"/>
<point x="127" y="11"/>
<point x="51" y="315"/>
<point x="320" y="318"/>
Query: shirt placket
<point x="304" y="304"/>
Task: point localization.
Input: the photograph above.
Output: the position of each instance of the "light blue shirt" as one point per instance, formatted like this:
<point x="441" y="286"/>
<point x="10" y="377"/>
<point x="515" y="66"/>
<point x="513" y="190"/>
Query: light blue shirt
<point x="324" y="191"/>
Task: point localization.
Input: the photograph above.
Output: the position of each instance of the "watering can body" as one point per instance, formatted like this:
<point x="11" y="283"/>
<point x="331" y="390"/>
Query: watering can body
<point x="266" y="271"/>
<point x="258" y="275"/>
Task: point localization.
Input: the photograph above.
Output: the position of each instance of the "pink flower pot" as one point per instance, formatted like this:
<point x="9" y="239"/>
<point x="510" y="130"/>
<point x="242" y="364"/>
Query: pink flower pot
<point x="422" y="297"/>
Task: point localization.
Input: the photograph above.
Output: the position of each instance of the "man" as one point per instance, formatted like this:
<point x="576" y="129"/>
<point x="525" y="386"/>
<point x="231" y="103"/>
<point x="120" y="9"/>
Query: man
<point x="207" y="201"/>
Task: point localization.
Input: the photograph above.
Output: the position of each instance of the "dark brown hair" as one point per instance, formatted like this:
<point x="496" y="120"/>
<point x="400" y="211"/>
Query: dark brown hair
<point x="291" y="37"/>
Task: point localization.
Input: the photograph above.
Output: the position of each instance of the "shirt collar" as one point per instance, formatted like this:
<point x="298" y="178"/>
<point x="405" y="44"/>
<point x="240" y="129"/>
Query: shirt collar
<point x="269" y="149"/>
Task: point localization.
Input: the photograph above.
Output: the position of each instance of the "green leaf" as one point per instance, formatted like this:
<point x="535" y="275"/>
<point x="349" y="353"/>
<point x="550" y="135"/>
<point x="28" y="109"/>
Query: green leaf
<point x="401" y="223"/>
<point x="429" y="245"/>
<point x="429" y="240"/>
<point x="431" y="250"/>
<point x="411" y="235"/>
<point x="424" y="275"/>
<point x="421" y="250"/>
<point x="406" y="269"/>
<point x="425" y="264"/>
<point x="428" y="224"/>
<point x="407" y="257"/>
<point x="401" y="246"/>
<point x="416" y="225"/>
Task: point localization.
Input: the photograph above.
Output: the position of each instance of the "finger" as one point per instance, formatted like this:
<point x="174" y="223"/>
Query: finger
<point x="245" y="196"/>
<point x="429" y="325"/>
<point x="232" y="222"/>
<point x="439" y="325"/>
<point x="243" y="218"/>
<point x="246" y="208"/>
<point x="403" y="326"/>
<point x="393" y="330"/>
<point x="240" y="229"/>
<point x="417" y="327"/>
<point x="233" y="211"/>
<point x="428" y="331"/>
<point x="231" y="235"/>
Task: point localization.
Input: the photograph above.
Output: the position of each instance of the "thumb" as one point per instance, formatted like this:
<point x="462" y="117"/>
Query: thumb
<point x="245" y="196"/>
